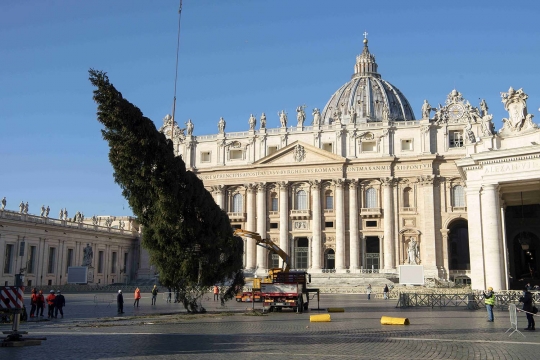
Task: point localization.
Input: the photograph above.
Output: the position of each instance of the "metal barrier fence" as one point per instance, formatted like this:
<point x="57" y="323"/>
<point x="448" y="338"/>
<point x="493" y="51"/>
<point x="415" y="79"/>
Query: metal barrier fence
<point x="471" y="300"/>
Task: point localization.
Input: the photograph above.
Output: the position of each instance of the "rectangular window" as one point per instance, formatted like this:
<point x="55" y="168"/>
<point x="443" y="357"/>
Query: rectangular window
<point x="100" y="262"/>
<point x="274" y="261"/>
<point x="52" y="260"/>
<point x="327" y="147"/>
<point x="274" y="204"/>
<point x="236" y="226"/>
<point x="125" y="262"/>
<point x="272" y="150"/>
<point x="406" y="145"/>
<point x="113" y="265"/>
<point x="273" y="225"/>
<point x="301" y="257"/>
<point x="368" y="146"/>
<point x="205" y="156"/>
<point x="235" y="154"/>
<point x="328" y="224"/>
<point x="371" y="223"/>
<point x="8" y="259"/>
<point x="69" y="260"/>
<point x="456" y="139"/>
<point x="329" y="202"/>
<point x="31" y="260"/>
<point x="21" y="248"/>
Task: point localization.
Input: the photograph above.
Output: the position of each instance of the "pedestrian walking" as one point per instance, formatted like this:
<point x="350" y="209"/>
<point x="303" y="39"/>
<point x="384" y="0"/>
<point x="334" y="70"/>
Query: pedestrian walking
<point x="216" y="292"/>
<point x="368" y="292"/>
<point x="40" y="303"/>
<point x="528" y="306"/>
<point x="137" y="297"/>
<point x="154" y="294"/>
<point x="489" y="300"/>
<point x="59" y="303"/>
<point x="385" y="292"/>
<point x="169" y="295"/>
<point x="33" y="302"/>
<point x="120" y="302"/>
<point x="50" y="302"/>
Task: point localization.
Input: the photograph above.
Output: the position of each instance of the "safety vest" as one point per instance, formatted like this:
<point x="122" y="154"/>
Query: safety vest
<point x="490" y="300"/>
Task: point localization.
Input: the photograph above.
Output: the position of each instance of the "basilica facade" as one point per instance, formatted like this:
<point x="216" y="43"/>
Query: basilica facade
<point x="364" y="186"/>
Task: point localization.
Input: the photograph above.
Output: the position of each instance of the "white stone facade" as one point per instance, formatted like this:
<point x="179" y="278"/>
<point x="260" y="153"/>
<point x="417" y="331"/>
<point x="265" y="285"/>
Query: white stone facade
<point x="43" y="248"/>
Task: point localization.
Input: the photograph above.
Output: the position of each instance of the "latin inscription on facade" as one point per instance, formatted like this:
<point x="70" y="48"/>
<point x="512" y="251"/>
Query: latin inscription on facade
<point x="511" y="167"/>
<point x="258" y="173"/>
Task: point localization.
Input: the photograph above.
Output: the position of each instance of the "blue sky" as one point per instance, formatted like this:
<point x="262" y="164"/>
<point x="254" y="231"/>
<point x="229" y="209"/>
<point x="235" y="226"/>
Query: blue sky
<point x="236" y="57"/>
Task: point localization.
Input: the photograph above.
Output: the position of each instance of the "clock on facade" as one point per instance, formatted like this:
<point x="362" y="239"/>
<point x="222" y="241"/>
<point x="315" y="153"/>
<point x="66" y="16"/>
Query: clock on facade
<point x="456" y="111"/>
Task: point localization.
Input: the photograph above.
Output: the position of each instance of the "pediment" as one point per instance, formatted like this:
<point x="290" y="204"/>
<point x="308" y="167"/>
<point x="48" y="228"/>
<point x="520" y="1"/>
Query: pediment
<point x="299" y="153"/>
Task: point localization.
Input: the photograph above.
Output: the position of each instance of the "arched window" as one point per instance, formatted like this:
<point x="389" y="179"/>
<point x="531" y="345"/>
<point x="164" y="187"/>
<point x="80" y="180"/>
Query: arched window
<point x="458" y="197"/>
<point x="407" y="197"/>
<point x="237" y="203"/>
<point x="274" y="202"/>
<point x="328" y="200"/>
<point x="371" y="198"/>
<point x="301" y="200"/>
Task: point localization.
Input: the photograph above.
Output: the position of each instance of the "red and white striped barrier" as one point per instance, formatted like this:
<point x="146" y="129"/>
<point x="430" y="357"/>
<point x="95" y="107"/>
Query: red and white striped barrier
<point x="11" y="297"/>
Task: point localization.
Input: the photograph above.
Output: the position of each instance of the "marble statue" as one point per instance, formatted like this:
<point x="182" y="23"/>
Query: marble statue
<point x="189" y="127"/>
<point x="337" y="116"/>
<point x="316" y="116"/>
<point x="221" y="125"/>
<point x="65" y="214"/>
<point x="26" y="208"/>
<point x="413" y="252"/>
<point x="47" y="211"/>
<point x="487" y="126"/>
<point x="4" y="203"/>
<point x="42" y="211"/>
<point x="121" y="224"/>
<point x="94" y="220"/>
<point x="301" y="115"/>
<point x="386" y="113"/>
<point x="252" y="122"/>
<point x="61" y="214"/>
<point x="21" y="207"/>
<point x="426" y="109"/>
<point x="88" y="254"/>
<point x="283" y="118"/>
<point x="352" y="114"/>
<point x="263" y="121"/>
<point x="484" y="107"/>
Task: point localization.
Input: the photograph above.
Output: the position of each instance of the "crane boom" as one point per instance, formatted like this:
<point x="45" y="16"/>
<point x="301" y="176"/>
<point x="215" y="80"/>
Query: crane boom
<point x="267" y="244"/>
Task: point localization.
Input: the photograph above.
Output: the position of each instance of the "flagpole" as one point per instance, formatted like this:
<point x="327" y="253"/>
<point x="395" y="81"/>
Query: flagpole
<point x="176" y="73"/>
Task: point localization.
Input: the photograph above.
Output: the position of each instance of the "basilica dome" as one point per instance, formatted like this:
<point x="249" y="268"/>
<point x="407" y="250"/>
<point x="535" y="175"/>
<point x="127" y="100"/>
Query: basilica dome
<point x="367" y="97"/>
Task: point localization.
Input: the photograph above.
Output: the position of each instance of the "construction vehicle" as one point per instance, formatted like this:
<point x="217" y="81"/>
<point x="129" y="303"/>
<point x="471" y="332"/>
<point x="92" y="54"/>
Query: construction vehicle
<point x="282" y="288"/>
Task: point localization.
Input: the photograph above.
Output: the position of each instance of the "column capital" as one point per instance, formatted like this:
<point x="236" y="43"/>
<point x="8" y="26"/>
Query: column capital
<point x="387" y="181"/>
<point x="218" y="188"/>
<point x="315" y="184"/>
<point x="250" y="186"/>
<point x="494" y="187"/>
<point x="426" y="179"/>
<point x="353" y="184"/>
<point x="261" y="187"/>
<point x="338" y="183"/>
<point x="283" y="185"/>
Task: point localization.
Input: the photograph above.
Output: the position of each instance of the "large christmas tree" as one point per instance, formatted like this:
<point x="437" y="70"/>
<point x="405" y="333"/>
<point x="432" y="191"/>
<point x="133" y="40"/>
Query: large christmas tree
<point x="189" y="238"/>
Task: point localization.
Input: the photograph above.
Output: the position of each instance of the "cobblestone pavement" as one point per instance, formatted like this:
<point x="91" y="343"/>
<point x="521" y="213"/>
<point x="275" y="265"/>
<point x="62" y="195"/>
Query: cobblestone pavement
<point x="227" y="333"/>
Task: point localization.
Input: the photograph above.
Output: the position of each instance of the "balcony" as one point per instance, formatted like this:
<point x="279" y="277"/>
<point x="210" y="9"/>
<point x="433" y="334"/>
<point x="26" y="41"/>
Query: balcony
<point x="300" y="214"/>
<point x="273" y="213"/>
<point x="370" y="212"/>
<point x="459" y="209"/>
<point x="329" y="212"/>
<point x="407" y="210"/>
<point x="236" y="216"/>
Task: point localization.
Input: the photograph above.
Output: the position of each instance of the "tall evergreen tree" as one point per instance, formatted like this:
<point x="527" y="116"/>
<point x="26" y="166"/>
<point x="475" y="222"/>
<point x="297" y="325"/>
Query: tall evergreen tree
<point x="189" y="238"/>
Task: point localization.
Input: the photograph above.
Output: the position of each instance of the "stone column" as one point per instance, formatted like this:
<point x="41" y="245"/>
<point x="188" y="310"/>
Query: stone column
<point x="388" y="215"/>
<point x="444" y="233"/>
<point x="491" y="224"/>
<point x="316" y="225"/>
<point x="505" y="245"/>
<point x="220" y="198"/>
<point x="261" y="225"/>
<point x="428" y="251"/>
<point x="476" y="249"/>
<point x="250" y="225"/>
<point x="283" y="217"/>
<point x="340" y="225"/>
<point x="353" y="224"/>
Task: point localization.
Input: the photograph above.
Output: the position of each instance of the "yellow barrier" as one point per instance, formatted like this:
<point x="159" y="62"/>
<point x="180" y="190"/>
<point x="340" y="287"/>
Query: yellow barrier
<point x="336" y="310"/>
<point x="320" y="318"/>
<point x="387" y="320"/>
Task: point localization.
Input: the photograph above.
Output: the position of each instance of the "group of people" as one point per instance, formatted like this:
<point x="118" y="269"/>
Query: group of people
<point x="528" y="306"/>
<point x="386" y="291"/>
<point x="55" y="304"/>
<point x="137" y="297"/>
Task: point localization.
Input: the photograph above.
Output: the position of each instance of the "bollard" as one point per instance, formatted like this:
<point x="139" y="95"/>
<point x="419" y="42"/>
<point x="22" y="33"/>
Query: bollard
<point x="320" y="318"/>
<point x="387" y="320"/>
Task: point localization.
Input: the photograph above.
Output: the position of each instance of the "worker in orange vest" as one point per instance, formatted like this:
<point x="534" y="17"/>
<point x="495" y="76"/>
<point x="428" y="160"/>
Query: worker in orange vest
<point x="137" y="297"/>
<point x="33" y="302"/>
<point x="216" y="292"/>
<point x="50" y="302"/>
